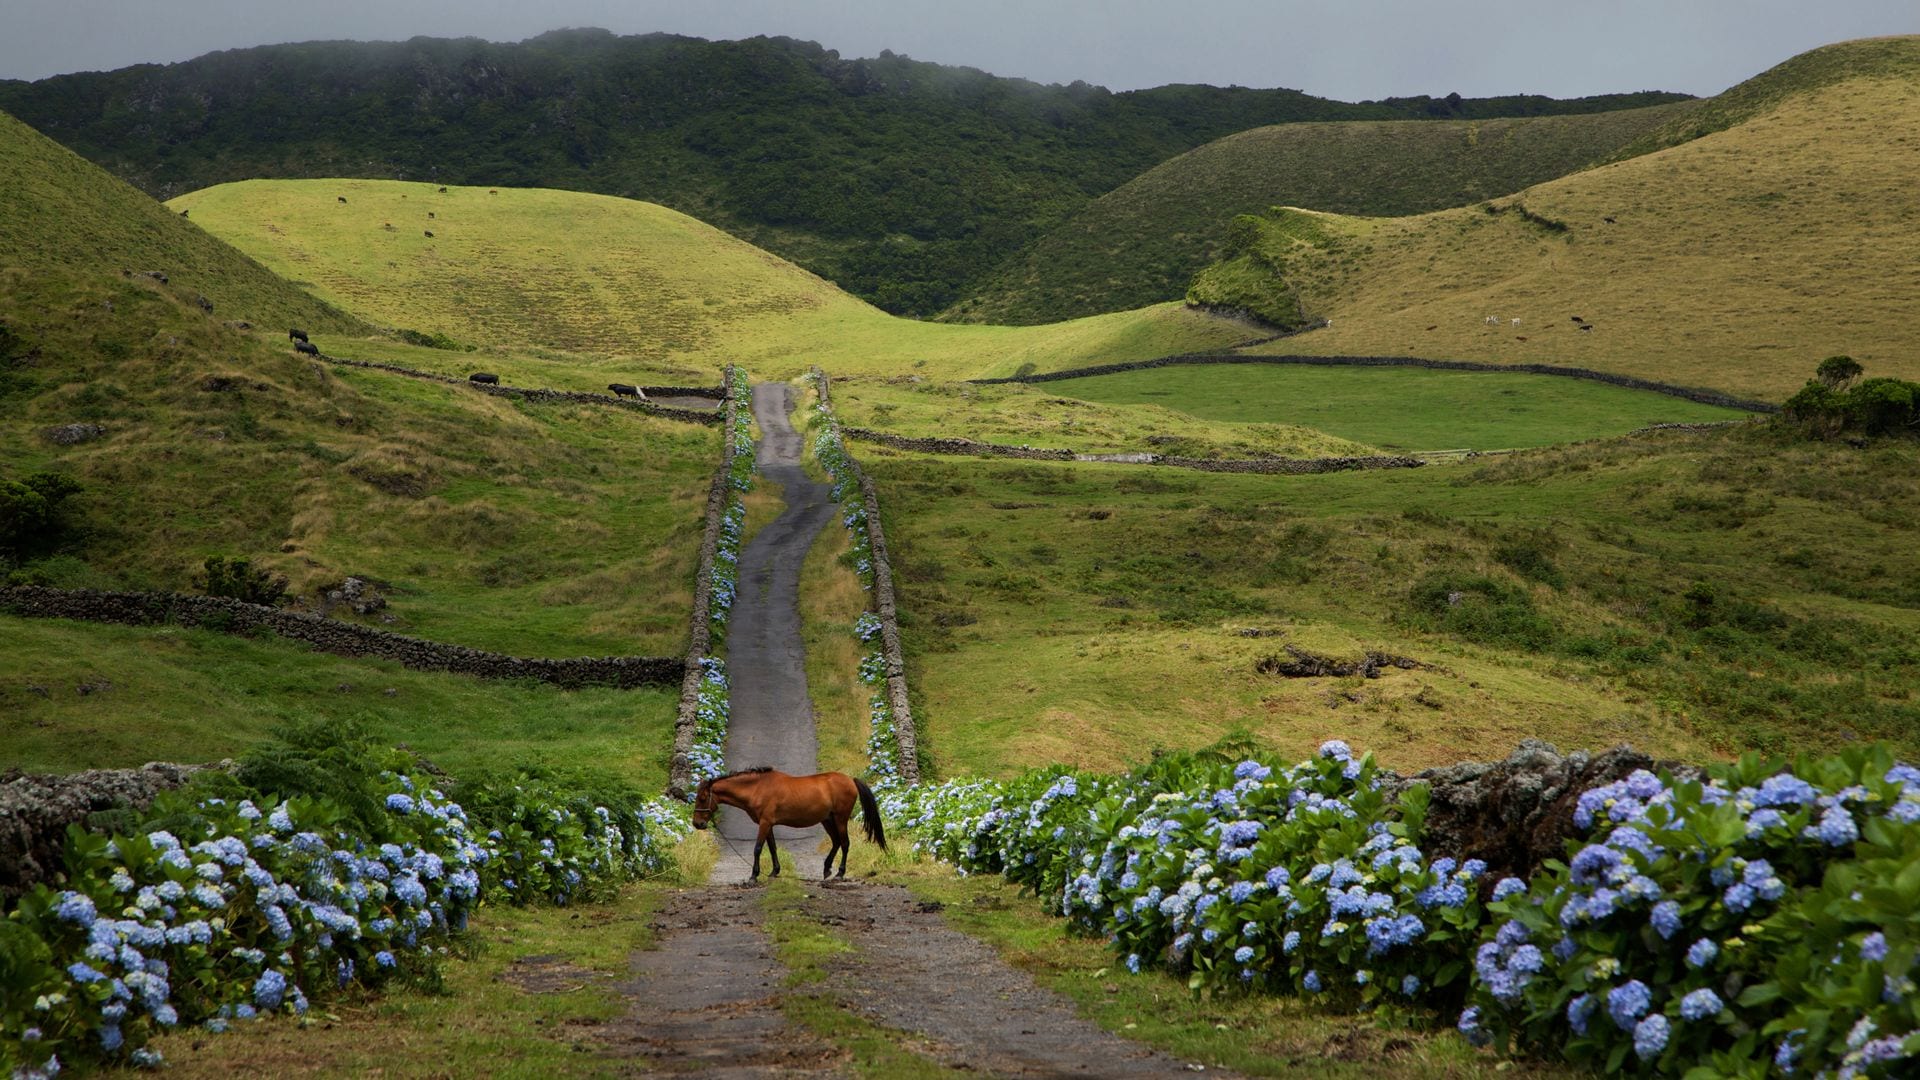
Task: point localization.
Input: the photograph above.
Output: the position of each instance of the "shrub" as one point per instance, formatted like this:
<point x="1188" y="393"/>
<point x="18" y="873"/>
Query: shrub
<point x="1832" y="403"/>
<point x="30" y="510"/>
<point x="241" y="580"/>
<point x="1481" y="609"/>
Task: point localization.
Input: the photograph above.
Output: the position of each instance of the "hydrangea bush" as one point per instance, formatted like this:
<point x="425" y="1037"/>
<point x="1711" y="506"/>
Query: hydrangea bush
<point x="266" y="904"/>
<point x="1764" y="921"/>
<point x="712" y="707"/>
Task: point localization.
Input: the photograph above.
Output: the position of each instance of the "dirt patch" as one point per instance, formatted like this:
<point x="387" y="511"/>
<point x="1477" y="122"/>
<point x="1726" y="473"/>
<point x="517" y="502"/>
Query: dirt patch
<point x="912" y="972"/>
<point x="707" y="1001"/>
<point x="549" y="975"/>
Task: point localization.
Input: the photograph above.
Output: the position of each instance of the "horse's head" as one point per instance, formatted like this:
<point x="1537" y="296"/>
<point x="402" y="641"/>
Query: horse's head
<point x="706" y="803"/>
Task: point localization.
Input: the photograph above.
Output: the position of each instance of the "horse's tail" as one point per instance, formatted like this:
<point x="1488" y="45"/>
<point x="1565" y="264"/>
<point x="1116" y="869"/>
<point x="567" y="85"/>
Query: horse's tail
<point x="870" y="814"/>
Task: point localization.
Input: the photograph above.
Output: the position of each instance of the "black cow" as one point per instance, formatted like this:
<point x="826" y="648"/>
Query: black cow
<point x="306" y="347"/>
<point x="183" y="213"/>
<point x="621" y="389"/>
<point x="1577" y="318"/>
<point x="429" y="213"/>
<point x="296" y="335"/>
<point x="429" y="233"/>
<point x="484" y="378"/>
<point x="342" y="198"/>
<point x="443" y="191"/>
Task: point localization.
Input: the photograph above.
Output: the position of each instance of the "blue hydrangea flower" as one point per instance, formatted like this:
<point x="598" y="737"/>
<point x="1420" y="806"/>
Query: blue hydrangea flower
<point x="1243" y="954"/>
<point x="1835" y="828"/>
<point x="75" y="908"/>
<point x="1471" y="1027"/>
<point x="270" y="989"/>
<point x="1701" y="953"/>
<point x="1579" y="1011"/>
<point x="1291" y="941"/>
<point x="1650" y="1036"/>
<point x="1665" y="918"/>
<point x="1700" y="1004"/>
<point x="1873" y="947"/>
<point x="1508" y="886"/>
<point x="1628" y="1003"/>
<point x="1312" y="982"/>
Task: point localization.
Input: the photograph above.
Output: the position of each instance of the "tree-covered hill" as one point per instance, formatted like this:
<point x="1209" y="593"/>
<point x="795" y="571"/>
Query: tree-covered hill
<point x="905" y="182"/>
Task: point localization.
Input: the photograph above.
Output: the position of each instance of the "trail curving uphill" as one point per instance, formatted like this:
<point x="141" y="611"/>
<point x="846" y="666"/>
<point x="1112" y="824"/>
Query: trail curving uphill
<point x="709" y="999"/>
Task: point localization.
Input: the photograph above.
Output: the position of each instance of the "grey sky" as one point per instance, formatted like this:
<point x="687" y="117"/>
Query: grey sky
<point x="1346" y="49"/>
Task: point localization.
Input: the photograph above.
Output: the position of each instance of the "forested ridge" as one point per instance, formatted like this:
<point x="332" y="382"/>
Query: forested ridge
<point x="906" y="182"/>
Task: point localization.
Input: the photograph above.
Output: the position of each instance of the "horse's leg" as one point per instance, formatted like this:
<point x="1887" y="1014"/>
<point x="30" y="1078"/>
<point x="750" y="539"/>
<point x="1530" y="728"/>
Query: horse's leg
<point x="839" y="838"/>
<point x="773" y="848"/>
<point x="845" y="824"/>
<point x="760" y="841"/>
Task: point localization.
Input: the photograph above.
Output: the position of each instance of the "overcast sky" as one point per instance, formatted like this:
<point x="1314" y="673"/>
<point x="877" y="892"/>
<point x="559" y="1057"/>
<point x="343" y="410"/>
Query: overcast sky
<point x="1345" y="49"/>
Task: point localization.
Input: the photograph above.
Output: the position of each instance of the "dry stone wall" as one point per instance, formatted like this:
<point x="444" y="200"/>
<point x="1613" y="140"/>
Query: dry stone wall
<point x="700" y="626"/>
<point x="694" y="416"/>
<point x="1705" y="397"/>
<point x="35" y="811"/>
<point x="333" y="636"/>
<point x="886" y="607"/>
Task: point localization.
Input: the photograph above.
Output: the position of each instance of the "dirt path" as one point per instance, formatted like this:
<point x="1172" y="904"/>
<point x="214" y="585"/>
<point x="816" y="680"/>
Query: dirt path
<point x="772" y="721"/>
<point x="709" y="999"/>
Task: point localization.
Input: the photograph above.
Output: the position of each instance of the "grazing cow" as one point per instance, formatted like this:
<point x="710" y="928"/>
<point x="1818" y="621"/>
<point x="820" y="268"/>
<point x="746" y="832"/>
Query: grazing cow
<point x="296" y="335"/>
<point x="443" y="191"/>
<point x="494" y="191"/>
<point x="183" y="213"/>
<point x="1492" y="320"/>
<point x="1586" y="328"/>
<point x="429" y="233"/>
<point x="388" y="226"/>
<point x="306" y="347"/>
<point x="1435" y="326"/>
<point x="1577" y="318"/>
<point x="621" y="389"/>
<point x="342" y="198"/>
<point x="1609" y="221"/>
<point x="1516" y="322"/>
<point x="484" y="378"/>
<point x="1518" y="337"/>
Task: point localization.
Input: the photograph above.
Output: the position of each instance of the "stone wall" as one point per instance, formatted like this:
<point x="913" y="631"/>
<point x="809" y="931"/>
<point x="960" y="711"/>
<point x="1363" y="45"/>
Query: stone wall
<point x="1518" y="813"/>
<point x="695" y="416"/>
<point x="1705" y="397"/>
<point x="700" y="627"/>
<point x="332" y="635"/>
<point x="35" y="811"/>
<point x="1233" y="465"/>
<point x="886" y="607"/>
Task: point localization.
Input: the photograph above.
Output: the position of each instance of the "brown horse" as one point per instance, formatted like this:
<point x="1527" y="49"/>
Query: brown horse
<point x="771" y="797"/>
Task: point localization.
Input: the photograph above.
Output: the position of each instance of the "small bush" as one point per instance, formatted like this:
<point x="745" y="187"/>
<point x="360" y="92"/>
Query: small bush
<point x="241" y="580"/>
<point x="1481" y="609"/>
<point x="30" y="510"/>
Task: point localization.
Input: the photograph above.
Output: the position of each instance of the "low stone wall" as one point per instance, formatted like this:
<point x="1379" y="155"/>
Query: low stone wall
<point x="333" y="636"/>
<point x="1279" y="465"/>
<point x="886" y="607"/>
<point x="1705" y="397"/>
<point x="695" y="416"/>
<point x="35" y="811"/>
<point x="700" y="626"/>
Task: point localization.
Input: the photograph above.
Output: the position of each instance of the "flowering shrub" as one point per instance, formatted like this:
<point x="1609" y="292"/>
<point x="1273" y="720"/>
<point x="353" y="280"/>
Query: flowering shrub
<point x="709" y="752"/>
<point x="267" y="902"/>
<point x="1764" y="919"/>
<point x="1757" y="918"/>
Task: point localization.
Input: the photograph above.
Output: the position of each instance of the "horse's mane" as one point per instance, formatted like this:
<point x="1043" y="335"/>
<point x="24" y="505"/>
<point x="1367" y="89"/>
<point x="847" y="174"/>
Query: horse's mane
<point x="743" y="772"/>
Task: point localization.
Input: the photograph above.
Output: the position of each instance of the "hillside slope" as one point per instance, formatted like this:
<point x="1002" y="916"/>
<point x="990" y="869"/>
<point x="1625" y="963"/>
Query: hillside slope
<point x="631" y="282"/>
<point x="63" y="214"/>
<point x="1143" y="242"/>
<point x="903" y="181"/>
<point x="1736" y="260"/>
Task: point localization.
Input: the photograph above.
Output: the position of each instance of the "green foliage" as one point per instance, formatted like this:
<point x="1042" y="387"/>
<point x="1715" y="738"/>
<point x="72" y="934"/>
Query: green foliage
<point x="435" y="340"/>
<point x="338" y="761"/>
<point x="30" y="516"/>
<point x="238" y="578"/>
<point x="903" y="181"/>
<point x="1483" y="609"/>
<point x="1833" y="404"/>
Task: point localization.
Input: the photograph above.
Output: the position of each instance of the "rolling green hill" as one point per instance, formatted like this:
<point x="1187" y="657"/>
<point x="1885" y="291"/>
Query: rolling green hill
<point x="1735" y="260"/>
<point x="1142" y="242"/>
<point x="64" y="215"/>
<point x="903" y="181"/>
<point x="623" y="285"/>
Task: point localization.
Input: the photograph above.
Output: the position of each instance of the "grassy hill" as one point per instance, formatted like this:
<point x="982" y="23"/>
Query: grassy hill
<point x="64" y="215"/>
<point x="901" y="180"/>
<point x="621" y="285"/>
<point x="1142" y="242"/>
<point x="1735" y="260"/>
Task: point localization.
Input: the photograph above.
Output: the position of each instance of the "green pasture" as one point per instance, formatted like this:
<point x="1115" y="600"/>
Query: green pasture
<point x="88" y="696"/>
<point x="1037" y="414"/>
<point x="1397" y="408"/>
<point x="1693" y="594"/>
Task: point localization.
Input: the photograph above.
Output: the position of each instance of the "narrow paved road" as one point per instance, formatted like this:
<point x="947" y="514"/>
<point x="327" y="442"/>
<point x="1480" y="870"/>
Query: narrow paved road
<point x="772" y="722"/>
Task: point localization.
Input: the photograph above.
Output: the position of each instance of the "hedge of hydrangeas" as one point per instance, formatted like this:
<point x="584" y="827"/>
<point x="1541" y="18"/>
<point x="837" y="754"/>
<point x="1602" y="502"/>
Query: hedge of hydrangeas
<point x="265" y="904"/>
<point x="712" y="710"/>
<point x="1766" y="921"/>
